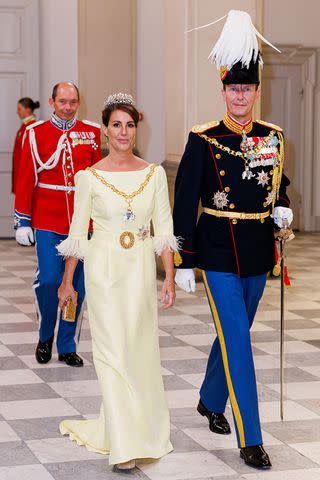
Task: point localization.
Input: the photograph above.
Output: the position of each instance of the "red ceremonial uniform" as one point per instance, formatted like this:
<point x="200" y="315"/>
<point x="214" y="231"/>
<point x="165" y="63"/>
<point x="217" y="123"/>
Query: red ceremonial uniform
<point x="53" y="152"/>
<point x="17" y="150"/>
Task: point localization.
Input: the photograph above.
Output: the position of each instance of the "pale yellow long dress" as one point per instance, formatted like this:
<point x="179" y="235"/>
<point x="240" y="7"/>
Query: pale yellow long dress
<point x="122" y="306"/>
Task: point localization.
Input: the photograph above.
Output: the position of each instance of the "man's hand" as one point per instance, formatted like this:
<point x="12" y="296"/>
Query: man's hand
<point x="24" y="236"/>
<point x="185" y="279"/>
<point x="283" y="217"/>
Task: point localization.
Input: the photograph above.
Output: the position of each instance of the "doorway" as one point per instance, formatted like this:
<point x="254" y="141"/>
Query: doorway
<point x="288" y="100"/>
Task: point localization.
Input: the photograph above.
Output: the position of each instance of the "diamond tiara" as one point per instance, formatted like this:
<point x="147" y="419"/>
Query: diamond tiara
<point x="118" y="98"/>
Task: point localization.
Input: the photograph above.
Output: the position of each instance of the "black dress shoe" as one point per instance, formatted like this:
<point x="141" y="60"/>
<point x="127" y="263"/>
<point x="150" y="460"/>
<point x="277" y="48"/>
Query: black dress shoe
<point x="256" y="457"/>
<point x="44" y="351"/>
<point x="217" y="421"/>
<point x="71" y="359"/>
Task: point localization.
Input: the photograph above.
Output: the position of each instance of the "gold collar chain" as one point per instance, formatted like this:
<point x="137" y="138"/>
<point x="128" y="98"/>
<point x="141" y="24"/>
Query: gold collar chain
<point x="255" y="150"/>
<point x="127" y="196"/>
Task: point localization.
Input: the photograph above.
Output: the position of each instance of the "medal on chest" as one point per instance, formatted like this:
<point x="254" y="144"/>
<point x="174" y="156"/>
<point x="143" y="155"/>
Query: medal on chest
<point x="83" y="138"/>
<point x="258" y="151"/>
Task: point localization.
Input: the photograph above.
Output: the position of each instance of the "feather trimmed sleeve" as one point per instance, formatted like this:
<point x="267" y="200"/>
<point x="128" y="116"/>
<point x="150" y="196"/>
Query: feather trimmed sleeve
<point x="162" y="218"/>
<point x="77" y="242"/>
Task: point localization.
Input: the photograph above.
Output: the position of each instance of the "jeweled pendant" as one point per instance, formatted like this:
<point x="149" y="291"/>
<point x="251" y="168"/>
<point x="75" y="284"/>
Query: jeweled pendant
<point x="129" y="216"/>
<point x="247" y="174"/>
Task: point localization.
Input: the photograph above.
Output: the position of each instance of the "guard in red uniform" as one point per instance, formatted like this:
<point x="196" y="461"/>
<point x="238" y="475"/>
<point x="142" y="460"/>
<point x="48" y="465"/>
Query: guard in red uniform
<point x="53" y="152"/>
<point x="25" y="108"/>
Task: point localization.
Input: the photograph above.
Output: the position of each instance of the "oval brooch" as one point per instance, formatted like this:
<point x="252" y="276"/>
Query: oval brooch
<point x="127" y="240"/>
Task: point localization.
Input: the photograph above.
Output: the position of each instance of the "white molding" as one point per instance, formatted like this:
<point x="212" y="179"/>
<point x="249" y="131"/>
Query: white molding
<point x="307" y="58"/>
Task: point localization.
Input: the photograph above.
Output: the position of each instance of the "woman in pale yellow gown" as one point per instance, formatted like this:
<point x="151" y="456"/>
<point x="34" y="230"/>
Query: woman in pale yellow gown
<point x="123" y="194"/>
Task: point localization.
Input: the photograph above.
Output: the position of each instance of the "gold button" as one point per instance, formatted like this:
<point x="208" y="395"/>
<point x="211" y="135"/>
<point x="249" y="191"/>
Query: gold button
<point x="271" y="172"/>
<point x="69" y="174"/>
<point x="269" y="188"/>
<point x="232" y="205"/>
<point x="70" y="184"/>
<point x="69" y="192"/>
<point x="234" y="221"/>
<point x="222" y="173"/>
<point x="68" y="166"/>
<point x="262" y="220"/>
<point x="218" y="156"/>
<point x="227" y="189"/>
<point x="265" y="204"/>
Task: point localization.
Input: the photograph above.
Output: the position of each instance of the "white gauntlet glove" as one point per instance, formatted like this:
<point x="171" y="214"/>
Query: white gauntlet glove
<point x="24" y="236"/>
<point x="283" y="217"/>
<point x="185" y="279"/>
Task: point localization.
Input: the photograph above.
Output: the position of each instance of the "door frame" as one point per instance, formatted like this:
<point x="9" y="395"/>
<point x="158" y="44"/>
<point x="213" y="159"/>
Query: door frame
<point x="307" y="59"/>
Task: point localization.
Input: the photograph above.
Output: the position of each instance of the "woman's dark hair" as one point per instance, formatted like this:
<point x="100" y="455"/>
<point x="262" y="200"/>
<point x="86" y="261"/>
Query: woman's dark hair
<point x="129" y="109"/>
<point x="27" y="102"/>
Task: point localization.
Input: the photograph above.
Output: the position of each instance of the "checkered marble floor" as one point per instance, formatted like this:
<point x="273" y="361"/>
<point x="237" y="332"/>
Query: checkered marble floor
<point x="34" y="398"/>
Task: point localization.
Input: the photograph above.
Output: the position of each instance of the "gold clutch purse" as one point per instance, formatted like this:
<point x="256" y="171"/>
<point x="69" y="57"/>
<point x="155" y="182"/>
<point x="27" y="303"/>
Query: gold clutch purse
<point x="69" y="310"/>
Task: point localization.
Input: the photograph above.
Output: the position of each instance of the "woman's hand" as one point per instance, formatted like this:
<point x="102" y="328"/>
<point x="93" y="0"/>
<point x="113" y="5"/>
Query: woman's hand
<point x="66" y="291"/>
<point x="168" y="294"/>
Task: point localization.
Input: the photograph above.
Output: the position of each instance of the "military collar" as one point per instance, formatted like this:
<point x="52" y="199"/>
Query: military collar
<point x="62" y="124"/>
<point x="235" y="126"/>
<point x="29" y="119"/>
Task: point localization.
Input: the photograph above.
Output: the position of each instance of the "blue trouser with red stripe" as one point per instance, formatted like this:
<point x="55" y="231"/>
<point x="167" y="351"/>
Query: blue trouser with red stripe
<point x="230" y="370"/>
<point x="48" y="279"/>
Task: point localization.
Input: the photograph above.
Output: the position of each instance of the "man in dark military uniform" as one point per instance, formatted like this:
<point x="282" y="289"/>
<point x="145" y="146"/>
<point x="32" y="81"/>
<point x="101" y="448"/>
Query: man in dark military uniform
<point x="235" y="167"/>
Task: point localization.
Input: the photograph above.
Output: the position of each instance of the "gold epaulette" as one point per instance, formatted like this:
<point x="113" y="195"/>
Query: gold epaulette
<point x="204" y="126"/>
<point x="270" y="125"/>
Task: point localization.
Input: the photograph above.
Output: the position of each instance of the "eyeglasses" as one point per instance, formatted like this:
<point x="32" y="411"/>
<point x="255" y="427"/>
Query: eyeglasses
<point x="244" y="89"/>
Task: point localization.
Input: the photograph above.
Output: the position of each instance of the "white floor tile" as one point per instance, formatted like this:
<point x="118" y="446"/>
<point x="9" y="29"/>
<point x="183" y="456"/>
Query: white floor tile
<point x="80" y="388"/>
<point x="18" y="377"/>
<point x="7" y="434"/>
<point x="310" y="450"/>
<point x="194" y="309"/>
<point x="186" y="466"/>
<point x="270" y="412"/>
<point x="293" y="346"/>
<point x="19" y="338"/>
<point x="195" y="379"/>
<point x="182" y="398"/>
<point x="181" y="353"/>
<point x="198" y="339"/>
<point x="53" y="407"/>
<point x="14" y="318"/>
<point x="27" y="307"/>
<point x="264" y="362"/>
<point x="62" y="449"/>
<point x="303" y="474"/>
<point x="210" y="441"/>
<point x="170" y="320"/>
<point x="271" y="315"/>
<point x="5" y="352"/>
<point x="299" y="390"/>
<point x="305" y="333"/>
<point x="25" y="472"/>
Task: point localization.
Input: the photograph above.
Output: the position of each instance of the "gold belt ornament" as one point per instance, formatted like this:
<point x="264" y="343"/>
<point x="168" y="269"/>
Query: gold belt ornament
<point x="126" y="240"/>
<point x="239" y="215"/>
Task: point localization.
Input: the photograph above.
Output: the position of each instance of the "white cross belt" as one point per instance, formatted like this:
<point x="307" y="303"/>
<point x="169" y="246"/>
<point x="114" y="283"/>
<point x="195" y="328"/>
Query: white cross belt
<point x="63" y="188"/>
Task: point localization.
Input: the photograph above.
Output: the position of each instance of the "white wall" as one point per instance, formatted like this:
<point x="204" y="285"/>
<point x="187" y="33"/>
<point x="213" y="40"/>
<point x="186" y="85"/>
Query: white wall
<point x="292" y="22"/>
<point x="58" y="47"/>
<point x="192" y="83"/>
<point x="150" y="79"/>
<point x="297" y="23"/>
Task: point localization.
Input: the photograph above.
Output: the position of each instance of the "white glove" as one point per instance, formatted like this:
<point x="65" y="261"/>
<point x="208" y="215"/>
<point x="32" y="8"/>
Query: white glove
<point x="283" y="217"/>
<point x="185" y="279"/>
<point x="24" y="236"/>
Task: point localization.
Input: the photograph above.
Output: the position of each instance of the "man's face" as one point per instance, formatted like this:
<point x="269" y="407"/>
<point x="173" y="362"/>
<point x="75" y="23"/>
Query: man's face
<point x="66" y="102"/>
<point x="240" y="99"/>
